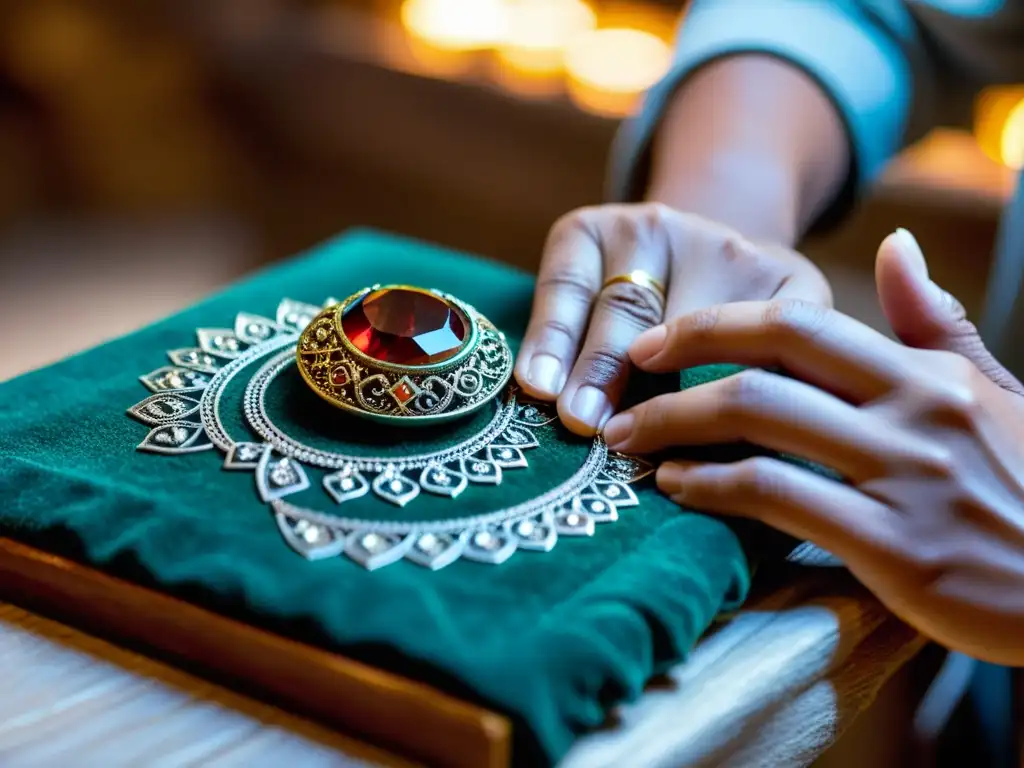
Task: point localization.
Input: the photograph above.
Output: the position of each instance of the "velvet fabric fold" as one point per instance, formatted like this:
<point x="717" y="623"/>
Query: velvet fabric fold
<point x="554" y="640"/>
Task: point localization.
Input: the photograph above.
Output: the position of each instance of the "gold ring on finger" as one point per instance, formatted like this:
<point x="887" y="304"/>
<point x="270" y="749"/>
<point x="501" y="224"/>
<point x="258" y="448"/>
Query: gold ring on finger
<point x="640" y="278"/>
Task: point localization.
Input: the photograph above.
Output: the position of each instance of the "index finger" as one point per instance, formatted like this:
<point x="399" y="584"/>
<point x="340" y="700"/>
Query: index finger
<point x="567" y="284"/>
<point x="818" y="345"/>
<point x="835" y="516"/>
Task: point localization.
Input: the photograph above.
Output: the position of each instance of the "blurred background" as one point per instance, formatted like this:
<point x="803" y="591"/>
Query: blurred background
<point x="152" y="151"/>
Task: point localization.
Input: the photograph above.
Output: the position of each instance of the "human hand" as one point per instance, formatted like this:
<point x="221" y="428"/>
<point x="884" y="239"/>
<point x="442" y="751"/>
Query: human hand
<point x="575" y="348"/>
<point x="928" y="436"/>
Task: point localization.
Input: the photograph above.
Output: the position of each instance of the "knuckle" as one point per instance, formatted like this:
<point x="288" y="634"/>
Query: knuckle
<point x="958" y="405"/>
<point x="758" y="478"/>
<point x="639" y="228"/>
<point x="700" y="324"/>
<point x="656" y="215"/>
<point x="654" y="416"/>
<point x="951" y="399"/>
<point x="734" y="248"/>
<point x="561" y="231"/>
<point x="911" y="541"/>
<point x="569" y="284"/>
<point x="928" y="558"/>
<point x="924" y="559"/>
<point x="555" y="331"/>
<point x="571" y="226"/>
<point x="636" y="305"/>
<point x="570" y="223"/>
<point x="934" y="460"/>
<point x="796" y="318"/>
<point x="626" y="231"/>
<point x="744" y="392"/>
<point x="763" y="272"/>
<point x="603" y="365"/>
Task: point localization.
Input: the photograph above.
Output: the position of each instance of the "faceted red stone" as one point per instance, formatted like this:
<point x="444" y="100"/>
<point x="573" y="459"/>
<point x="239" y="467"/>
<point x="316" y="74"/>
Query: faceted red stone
<point x="403" y="393"/>
<point x="339" y="376"/>
<point x="405" y="326"/>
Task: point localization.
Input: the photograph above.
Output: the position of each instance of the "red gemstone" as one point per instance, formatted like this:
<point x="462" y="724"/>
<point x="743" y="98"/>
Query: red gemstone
<point x="405" y="326"/>
<point x="403" y="393"/>
<point x="339" y="376"/>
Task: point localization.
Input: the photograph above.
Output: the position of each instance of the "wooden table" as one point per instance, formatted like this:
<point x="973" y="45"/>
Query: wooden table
<point x="772" y="687"/>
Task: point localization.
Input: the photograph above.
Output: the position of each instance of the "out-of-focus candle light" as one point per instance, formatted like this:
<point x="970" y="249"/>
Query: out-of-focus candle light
<point x="999" y="124"/>
<point x="456" y="25"/>
<point x="609" y="68"/>
<point x="539" y="31"/>
<point x="1011" y="144"/>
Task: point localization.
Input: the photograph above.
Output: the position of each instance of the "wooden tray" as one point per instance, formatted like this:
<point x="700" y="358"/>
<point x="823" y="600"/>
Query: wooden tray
<point x="409" y="718"/>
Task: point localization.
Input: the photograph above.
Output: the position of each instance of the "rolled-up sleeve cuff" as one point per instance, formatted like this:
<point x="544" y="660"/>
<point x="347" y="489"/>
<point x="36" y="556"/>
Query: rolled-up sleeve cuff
<point x="859" y="63"/>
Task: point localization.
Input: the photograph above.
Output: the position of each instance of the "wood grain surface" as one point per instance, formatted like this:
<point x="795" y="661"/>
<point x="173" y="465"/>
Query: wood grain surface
<point x="70" y="699"/>
<point x="775" y="686"/>
<point x="415" y="718"/>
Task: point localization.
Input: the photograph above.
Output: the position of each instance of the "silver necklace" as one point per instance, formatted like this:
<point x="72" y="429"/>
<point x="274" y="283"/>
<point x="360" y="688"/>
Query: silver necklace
<point x="185" y="415"/>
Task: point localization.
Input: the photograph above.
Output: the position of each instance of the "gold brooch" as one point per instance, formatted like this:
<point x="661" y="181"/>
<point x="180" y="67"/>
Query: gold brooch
<point x="404" y="355"/>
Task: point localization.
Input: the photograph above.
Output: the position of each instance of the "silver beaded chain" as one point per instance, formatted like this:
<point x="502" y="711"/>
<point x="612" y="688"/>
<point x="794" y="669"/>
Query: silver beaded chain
<point x="556" y="497"/>
<point x="254" y="405"/>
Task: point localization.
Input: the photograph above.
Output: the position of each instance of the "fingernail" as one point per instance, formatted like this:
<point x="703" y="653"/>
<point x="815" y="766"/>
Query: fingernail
<point x="590" y="406"/>
<point x="546" y="373"/>
<point x="618" y="430"/>
<point x="648" y="344"/>
<point x="912" y="250"/>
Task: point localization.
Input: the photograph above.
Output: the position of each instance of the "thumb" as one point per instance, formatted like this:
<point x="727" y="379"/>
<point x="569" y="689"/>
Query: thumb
<point x="925" y="316"/>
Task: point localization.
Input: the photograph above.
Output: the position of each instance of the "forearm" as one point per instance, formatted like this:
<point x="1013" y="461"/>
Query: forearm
<point x="752" y="142"/>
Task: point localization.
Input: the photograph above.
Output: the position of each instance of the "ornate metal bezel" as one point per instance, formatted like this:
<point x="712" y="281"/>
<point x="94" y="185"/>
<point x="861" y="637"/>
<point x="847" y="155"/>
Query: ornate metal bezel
<point x="420" y="395"/>
<point x="184" y="413"/>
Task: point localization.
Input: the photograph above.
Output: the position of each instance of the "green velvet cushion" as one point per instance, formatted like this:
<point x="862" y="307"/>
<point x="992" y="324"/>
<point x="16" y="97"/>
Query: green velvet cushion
<point x="551" y="639"/>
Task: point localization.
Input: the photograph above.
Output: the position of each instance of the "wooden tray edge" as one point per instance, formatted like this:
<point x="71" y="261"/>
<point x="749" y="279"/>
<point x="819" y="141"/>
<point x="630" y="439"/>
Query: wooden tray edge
<point x="412" y="718"/>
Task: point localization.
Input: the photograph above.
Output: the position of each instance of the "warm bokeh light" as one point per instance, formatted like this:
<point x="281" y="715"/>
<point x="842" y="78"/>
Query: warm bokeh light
<point x="539" y="31"/>
<point x="605" y="60"/>
<point x="999" y="124"/>
<point x="609" y="68"/>
<point x="458" y="25"/>
<point x="1011" y="143"/>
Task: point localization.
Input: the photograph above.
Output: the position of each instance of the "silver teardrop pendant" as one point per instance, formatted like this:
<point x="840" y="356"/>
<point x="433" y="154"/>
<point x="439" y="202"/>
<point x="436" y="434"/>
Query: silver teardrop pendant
<point x="175" y="438"/>
<point x="244" y="456"/>
<point x="346" y="484"/>
<point x="490" y="545"/>
<point x="374" y="550"/>
<point x="479" y="470"/>
<point x="507" y="456"/>
<point x="395" y="487"/>
<point x="436" y="550"/>
<point x="311" y="540"/>
<point x="599" y="509"/>
<point x="571" y="520"/>
<point x="535" y="533"/>
<point x="279" y="476"/>
<point x="165" y="407"/>
<point x="443" y="481"/>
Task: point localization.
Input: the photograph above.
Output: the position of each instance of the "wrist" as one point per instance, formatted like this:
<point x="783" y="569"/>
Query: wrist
<point x="748" y="192"/>
<point x="750" y="141"/>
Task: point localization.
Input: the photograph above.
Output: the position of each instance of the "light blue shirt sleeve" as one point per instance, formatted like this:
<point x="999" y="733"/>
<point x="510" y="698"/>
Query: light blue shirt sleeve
<point x="859" y="52"/>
